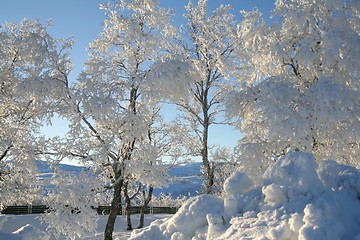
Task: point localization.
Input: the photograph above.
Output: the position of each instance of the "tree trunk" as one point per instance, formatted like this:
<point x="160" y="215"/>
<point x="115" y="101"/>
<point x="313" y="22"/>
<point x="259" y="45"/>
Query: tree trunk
<point x="144" y="206"/>
<point x="209" y="176"/>
<point x="127" y="206"/>
<point x="115" y="208"/>
<point x="3" y="155"/>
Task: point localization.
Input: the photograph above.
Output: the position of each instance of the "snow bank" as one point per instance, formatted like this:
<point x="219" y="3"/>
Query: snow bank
<point x="30" y="232"/>
<point x="299" y="199"/>
<point x="191" y="220"/>
<point x="25" y="232"/>
<point x="22" y="227"/>
<point x="237" y="184"/>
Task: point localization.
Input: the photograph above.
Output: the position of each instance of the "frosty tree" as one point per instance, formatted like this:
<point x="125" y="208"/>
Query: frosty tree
<point x="209" y="47"/>
<point x="32" y="66"/>
<point x="70" y="204"/>
<point x="112" y="120"/>
<point x="304" y="90"/>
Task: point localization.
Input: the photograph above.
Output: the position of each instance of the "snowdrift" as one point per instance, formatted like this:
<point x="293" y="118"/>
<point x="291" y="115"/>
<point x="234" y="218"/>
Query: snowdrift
<point x="299" y="199"/>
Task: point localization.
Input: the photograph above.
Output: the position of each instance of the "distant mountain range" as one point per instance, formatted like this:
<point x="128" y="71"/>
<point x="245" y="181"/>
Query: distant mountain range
<point x="185" y="179"/>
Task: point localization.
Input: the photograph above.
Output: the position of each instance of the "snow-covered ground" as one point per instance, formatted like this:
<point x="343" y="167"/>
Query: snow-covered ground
<point x="29" y="227"/>
<point x="297" y="199"/>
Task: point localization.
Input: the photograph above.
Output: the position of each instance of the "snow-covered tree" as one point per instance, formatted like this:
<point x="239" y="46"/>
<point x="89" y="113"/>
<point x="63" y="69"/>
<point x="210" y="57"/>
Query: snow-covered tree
<point x="304" y="90"/>
<point x="71" y="203"/>
<point x="111" y="119"/>
<point x="167" y="200"/>
<point x="224" y="163"/>
<point x="150" y="171"/>
<point x="208" y="45"/>
<point x="32" y="85"/>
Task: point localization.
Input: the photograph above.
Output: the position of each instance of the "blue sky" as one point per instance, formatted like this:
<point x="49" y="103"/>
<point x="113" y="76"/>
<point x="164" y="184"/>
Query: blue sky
<point x="82" y="20"/>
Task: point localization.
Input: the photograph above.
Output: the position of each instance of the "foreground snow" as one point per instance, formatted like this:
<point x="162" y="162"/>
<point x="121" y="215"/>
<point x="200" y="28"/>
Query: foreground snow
<point x="298" y="199"/>
<point x="28" y="227"/>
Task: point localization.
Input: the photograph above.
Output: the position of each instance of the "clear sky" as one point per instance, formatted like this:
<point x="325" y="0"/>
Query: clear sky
<point x="82" y="20"/>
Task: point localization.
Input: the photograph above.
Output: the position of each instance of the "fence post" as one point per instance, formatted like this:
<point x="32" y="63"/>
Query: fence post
<point x="29" y="209"/>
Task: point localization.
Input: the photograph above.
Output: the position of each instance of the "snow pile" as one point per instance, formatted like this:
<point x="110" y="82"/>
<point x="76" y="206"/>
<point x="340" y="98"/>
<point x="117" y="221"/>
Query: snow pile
<point x="30" y="232"/>
<point x="25" y="232"/>
<point x="237" y="183"/>
<point x="299" y="199"/>
<point x="191" y="220"/>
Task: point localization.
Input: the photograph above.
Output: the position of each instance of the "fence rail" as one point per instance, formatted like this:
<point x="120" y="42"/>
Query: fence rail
<point x="101" y="210"/>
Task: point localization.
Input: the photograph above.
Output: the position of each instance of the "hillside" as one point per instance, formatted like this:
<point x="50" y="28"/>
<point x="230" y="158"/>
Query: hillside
<point x="185" y="179"/>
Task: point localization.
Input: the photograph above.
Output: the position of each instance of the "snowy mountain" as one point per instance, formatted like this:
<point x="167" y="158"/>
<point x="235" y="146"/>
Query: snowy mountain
<point x="45" y="167"/>
<point x="46" y="171"/>
<point x="185" y="179"/>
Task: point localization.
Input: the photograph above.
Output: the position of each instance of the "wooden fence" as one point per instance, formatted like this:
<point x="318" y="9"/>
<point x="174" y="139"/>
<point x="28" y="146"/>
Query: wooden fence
<point x="101" y="210"/>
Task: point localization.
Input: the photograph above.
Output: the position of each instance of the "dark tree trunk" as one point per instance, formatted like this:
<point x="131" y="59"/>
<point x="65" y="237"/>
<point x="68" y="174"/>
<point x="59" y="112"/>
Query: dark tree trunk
<point x="147" y="200"/>
<point x="132" y="108"/>
<point x="209" y="176"/>
<point x="3" y="155"/>
<point x="115" y="208"/>
<point x="127" y="206"/>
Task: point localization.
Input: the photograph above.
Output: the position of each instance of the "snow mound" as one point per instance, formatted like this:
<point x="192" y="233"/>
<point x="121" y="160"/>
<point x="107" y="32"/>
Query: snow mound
<point x="339" y="177"/>
<point x="299" y="199"/>
<point x="297" y="171"/>
<point x="190" y="220"/>
<point x="237" y="183"/>
<point x="29" y="232"/>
